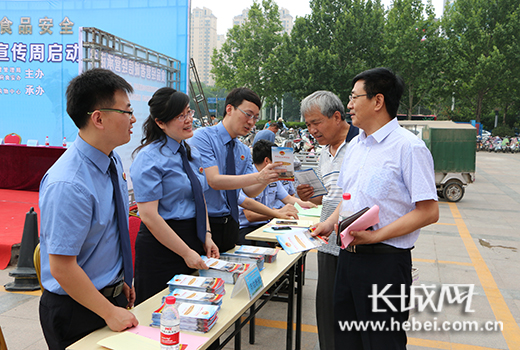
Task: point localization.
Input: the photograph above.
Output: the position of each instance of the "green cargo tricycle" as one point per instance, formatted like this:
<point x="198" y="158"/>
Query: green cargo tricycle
<point x="453" y="147"/>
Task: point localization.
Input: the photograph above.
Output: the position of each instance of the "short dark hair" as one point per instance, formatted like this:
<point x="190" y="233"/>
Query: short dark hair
<point x="327" y="102"/>
<point x="238" y="95"/>
<point x="383" y="81"/>
<point x="92" y="89"/>
<point x="279" y="125"/>
<point x="262" y="149"/>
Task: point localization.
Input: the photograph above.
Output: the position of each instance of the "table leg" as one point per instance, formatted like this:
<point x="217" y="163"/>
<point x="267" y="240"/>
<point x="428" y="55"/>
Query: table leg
<point x="237" y="336"/>
<point x="252" y="325"/>
<point x="299" y="286"/>
<point x="290" y="307"/>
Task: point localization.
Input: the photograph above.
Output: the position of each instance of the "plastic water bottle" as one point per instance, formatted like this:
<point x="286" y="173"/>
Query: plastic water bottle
<point x="46" y="141"/>
<point x="170" y="325"/>
<point x="64" y="142"/>
<point x="346" y="208"/>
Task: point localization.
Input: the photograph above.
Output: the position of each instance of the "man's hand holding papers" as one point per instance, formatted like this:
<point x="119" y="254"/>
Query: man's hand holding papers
<point x="314" y="187"/>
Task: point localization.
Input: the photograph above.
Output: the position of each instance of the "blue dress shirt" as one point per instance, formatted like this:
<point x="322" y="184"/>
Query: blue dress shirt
<point x="211" y="143"/>
<point x="274" y="192"/>
<point x="264" y="135"/>
<point x="391" y="168"/>
<point x="78" y="215"/>
<point x="158" y="174"/>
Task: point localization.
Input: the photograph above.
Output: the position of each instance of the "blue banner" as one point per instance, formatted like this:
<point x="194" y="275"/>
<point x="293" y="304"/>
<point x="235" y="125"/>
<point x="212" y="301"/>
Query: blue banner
<point x="40" y="52"/>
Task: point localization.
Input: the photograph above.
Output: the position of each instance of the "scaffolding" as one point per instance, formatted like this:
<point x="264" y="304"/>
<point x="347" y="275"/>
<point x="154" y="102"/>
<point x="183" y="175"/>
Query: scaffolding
<point x="96" y="42"/>
<point x="197" y="94"/>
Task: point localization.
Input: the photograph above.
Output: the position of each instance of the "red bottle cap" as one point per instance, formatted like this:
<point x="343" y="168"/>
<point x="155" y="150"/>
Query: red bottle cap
<point x="170" y="300"/>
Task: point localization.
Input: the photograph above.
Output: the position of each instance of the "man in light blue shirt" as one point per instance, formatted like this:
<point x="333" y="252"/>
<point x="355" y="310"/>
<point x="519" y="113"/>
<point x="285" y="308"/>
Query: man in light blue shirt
<point x="268" y="134"/>
<point x="214" y="143"/>
<point x="390" y="167"/>
<point x="82" y="257"/>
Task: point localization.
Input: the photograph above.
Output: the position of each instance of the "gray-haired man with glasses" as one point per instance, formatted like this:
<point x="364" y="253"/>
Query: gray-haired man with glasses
<point x="325" y="118"/>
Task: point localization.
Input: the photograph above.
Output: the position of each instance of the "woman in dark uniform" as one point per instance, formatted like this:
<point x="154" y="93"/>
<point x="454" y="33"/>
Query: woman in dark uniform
<point x="173" y="233"/>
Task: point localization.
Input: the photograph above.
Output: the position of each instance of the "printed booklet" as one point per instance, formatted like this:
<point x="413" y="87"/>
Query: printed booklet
<point x="299" y="240"/>
<point x="286" y="156"/>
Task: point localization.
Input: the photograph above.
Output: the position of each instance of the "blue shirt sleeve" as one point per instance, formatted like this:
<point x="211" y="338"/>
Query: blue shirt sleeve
<point x="147" y="178"/>
<point x="65" y="218"/>
<point x="201" y="141"/>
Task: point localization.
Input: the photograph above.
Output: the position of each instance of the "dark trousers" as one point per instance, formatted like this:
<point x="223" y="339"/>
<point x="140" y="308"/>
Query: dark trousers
<point x="156" y="264"/>
<point x="65" y="321"/>
<point x="327" y="264"/>
<point x="354" y="279"/>
<point x="224" y="232"/>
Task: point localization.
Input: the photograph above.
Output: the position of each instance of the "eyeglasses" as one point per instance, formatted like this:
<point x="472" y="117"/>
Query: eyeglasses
<point x="250" y="116"/>
<point x="353" y="97"/>
<point x="120" y="111"/>
<point x="183" y="117"/>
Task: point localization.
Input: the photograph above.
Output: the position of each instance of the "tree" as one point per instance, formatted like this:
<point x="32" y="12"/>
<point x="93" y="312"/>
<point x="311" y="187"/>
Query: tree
<point x="244" y="58"/>
<point x="413" y="49"/>
<point x="335" y="42"/>
<point x="483" y="46"/>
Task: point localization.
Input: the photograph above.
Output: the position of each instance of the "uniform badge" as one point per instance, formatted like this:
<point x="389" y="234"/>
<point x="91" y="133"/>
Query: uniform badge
<point x="201" y="170"/>
<point x="124" y="176"/>
<point x="242" y="157"/>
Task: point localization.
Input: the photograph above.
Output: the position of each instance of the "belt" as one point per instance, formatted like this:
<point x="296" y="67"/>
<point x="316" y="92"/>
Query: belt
<point x="378" y="248"/>
<point x="114" y="290"/>
<point x="220" y="219"/>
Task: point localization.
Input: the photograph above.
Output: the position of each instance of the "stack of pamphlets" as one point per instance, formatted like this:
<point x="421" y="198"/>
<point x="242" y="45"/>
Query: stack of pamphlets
<point x="268" y="253"/>
<point x="189" y="296"/>
<point x="197" y="318"/>
<point x="245" y="259"/>
<point x="226" y="270"/>
<point x="197" y="284"/>
<point x="194" y="317"/>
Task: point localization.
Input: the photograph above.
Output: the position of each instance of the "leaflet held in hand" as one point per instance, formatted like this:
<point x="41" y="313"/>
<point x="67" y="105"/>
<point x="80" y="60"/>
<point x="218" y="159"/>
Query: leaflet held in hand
<point x="299" y="240"/>
<point x="286" y="156"/>
<point x="309" y="177"/>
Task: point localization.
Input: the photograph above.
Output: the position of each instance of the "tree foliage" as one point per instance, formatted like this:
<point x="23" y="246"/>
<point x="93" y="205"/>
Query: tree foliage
<point x="243" y="58"/>
<point x="413" y="49"/>
<point x="481" y="35"/>
<point x="329" y="47"/>
<point x="462" y="67"/>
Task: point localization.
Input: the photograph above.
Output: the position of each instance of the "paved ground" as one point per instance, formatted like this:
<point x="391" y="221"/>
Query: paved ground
<point x="476" y="242"/>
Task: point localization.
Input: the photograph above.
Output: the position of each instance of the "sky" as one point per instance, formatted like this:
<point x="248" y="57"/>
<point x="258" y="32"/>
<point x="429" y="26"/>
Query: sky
<point x="225" y="10"/>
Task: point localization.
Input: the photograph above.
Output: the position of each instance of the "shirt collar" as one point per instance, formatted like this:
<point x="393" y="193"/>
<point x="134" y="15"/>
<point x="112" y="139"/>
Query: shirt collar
<point x="353" y="131"/>
<point x="382" y="132"/>
<point x="98" y="158"/>
<point x="223" y="133"/>
<point x="172" y="144"/>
